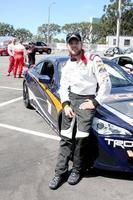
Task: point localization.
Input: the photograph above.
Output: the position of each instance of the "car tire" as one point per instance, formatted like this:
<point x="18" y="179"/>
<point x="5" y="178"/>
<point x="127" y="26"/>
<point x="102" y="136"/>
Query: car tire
<point x="41" y="52"/>
<point x="49" y="51"/>
<point x="26" y="96"/>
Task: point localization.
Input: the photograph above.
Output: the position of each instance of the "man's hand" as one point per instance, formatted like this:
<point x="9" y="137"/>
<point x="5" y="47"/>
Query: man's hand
<point x="87" y="105"/>
<point x="69" y="112"/>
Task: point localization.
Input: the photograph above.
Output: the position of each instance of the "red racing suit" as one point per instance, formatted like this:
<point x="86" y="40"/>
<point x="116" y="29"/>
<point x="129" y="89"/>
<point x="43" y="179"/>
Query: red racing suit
<point x="11" y="59"/>
<point x="19" y="56"/>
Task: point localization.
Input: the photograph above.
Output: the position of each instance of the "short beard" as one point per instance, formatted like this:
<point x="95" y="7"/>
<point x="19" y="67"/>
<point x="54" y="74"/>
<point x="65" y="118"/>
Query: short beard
<point x="77" y="54"/>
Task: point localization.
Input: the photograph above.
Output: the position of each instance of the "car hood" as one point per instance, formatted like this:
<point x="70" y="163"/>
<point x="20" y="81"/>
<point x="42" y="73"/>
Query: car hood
<point x="124" y="107"/>
<point x="121" y="105"/>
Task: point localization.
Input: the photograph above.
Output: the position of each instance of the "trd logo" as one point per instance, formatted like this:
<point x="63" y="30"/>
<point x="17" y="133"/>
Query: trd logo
<point x="119" y="143"/>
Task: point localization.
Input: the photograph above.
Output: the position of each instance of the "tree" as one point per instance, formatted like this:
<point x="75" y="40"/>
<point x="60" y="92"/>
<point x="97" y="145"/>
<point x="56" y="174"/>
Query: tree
<point x="6" y="29"/>
<point x="127" y="23"/>
<point x="51" y="29"/>
<point x="85" y="29"/>
<point x="23" y="34"/>
<point x="36" y="38"/>
<point x="109" y="19"/>
<point x="57" y="40"/>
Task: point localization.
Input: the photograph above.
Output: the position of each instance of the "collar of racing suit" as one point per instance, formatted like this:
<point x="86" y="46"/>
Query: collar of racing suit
<point x="83" y="58"/>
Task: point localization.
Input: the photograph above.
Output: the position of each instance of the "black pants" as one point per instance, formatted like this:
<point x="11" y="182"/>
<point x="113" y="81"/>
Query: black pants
<point x="74" y="145"/>
<point x="31" y="59"/>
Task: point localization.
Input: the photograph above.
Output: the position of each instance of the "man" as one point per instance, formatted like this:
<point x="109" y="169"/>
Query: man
<point x="19" y="58"/>
<point x="31" y="54"/>
<point x="84" y="83"/>
<point x="11" y="58"/>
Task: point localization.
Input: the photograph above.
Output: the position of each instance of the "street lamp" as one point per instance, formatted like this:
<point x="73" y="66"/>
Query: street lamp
<point x="49" y="8"/>
<point x="118" y="24"/>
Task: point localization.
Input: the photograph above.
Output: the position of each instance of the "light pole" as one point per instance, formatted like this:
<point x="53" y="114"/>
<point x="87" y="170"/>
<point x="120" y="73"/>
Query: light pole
<point x="49" y="8"/>
<point x="118" y="24"/>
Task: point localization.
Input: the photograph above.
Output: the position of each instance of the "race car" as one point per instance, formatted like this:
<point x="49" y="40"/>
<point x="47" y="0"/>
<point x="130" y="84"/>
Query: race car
<point x="111" y="138"/>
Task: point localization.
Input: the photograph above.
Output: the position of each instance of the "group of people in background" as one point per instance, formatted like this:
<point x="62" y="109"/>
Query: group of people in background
<point x="18" y="57"/>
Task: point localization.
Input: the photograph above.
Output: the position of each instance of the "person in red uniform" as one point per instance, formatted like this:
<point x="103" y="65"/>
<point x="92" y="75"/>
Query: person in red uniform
<point x="19" y="58"/>
<point x="10" y="52"/>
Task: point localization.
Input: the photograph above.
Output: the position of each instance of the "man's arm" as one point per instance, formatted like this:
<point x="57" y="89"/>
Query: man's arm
<point x="103" y="80"/>
<point x="10" y="50"/>
<point x="64" y="85"/>
<point x="64" y="91"/>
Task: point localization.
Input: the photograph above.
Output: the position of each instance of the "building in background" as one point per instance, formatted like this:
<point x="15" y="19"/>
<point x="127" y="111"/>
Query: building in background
<point x="124" y="41"/>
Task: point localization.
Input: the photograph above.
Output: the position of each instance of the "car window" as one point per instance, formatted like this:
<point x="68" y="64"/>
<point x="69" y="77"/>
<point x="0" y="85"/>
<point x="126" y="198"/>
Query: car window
<point x="117" y="77"/>
<point x="48" y="69"/>
<point x="43" y="44"/>
<point x="38" y="67"/>
<point x="116" y="60"/>
<point x="125" y="60"/>
<point x="110" y="49"/>
<point x="60" y="66"/>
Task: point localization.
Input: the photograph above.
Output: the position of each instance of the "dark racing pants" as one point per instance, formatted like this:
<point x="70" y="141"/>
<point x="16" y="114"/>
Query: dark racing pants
<point x="74" y="144"/>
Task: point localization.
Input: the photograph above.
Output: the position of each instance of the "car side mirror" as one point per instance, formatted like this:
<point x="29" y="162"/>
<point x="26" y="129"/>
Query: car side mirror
<point x="44" y="79"/>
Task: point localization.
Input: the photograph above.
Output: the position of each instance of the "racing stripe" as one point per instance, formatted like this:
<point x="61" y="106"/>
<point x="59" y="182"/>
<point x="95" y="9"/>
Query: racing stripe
<point x="55" y="101"/>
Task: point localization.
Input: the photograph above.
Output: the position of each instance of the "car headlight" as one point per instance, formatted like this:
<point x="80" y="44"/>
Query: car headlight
<point x="105" y="128"/>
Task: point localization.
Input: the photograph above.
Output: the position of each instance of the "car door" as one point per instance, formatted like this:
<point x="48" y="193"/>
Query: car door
<point x="45" y="93"/>
<point x="53" y="105"/>
<point x="40" y="98"/>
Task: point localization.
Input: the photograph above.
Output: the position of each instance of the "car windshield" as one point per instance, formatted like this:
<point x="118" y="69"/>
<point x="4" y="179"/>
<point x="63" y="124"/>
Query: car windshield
<point x="118" y="77"/>
<point x="60" y="66"/>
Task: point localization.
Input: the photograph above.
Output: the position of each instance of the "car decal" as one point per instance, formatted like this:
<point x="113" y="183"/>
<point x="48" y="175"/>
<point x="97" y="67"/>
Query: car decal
<point x="32" y="96"/>
<point x="119" y="143"/>
<point x="54" y="100"/>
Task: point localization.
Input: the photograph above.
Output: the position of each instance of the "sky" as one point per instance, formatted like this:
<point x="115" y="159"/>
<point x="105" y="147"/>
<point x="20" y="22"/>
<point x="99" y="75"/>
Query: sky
<point x="31" y="14"/>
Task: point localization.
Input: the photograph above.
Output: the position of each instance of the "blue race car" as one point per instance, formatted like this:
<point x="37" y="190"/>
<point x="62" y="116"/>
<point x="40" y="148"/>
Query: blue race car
<point x="111" y="140"/>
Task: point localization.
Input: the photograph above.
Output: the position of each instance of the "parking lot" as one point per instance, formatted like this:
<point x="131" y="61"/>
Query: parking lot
<point x="28" y="153"/>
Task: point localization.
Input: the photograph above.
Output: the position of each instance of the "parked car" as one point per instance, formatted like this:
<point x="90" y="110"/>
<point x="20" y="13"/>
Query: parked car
<point x="3" y="51"/>
<point x="111" y="140"/>
<point x="40" y="47"/>
<point x="112" y="51"/>
<point x="129" y="50"/>
<point x="126" y="61"/>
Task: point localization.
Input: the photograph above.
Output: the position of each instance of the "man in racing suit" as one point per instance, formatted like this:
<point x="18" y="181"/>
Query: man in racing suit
<point x="11" y="58"/>
<point x="84" y="84"/>
<point x="19" y="58"/>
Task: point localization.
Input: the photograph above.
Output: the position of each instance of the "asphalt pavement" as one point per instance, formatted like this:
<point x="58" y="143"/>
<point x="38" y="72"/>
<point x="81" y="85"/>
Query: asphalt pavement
<point x="28" y="153"/>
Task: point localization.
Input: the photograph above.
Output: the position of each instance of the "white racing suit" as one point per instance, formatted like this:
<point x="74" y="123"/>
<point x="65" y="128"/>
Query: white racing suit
<point x="80" y="81"/>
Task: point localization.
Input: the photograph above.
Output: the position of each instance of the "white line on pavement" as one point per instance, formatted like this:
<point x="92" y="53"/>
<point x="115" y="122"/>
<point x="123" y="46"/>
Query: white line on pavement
<point x="11" y="101"/>
<point x="10" y="88"/>
<point x="27" y="131"/>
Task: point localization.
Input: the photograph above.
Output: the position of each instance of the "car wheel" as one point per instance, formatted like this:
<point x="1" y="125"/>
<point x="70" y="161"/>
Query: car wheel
<point x="41" y="52"/>
<point x="26" y="96"/>
<point x="49" y="51"/>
